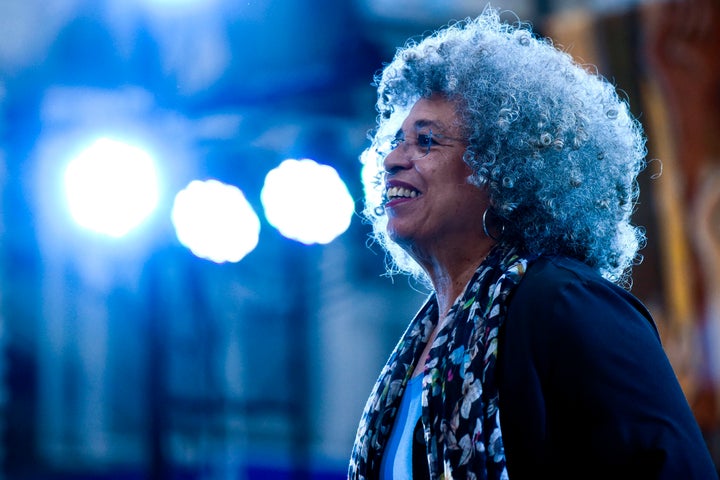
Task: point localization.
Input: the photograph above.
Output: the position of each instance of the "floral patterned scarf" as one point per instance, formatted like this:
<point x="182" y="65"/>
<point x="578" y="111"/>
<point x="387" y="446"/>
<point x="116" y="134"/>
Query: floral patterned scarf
<point x="460" y="397"/>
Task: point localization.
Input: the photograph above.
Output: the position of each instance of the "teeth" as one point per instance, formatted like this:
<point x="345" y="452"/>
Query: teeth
<point x="395" y="192"/>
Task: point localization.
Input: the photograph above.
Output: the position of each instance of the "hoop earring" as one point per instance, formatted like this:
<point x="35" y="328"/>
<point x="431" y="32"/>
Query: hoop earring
<point x="487" y="231"/>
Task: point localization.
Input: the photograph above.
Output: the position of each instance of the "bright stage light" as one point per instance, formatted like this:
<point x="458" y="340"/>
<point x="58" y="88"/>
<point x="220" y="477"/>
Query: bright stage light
<point x="306" y="201"/>
<point x="215" y="221"/>
<point x="111" y="187"/>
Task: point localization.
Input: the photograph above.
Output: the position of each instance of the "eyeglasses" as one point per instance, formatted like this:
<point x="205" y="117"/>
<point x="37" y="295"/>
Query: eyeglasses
<point x="417" y="146"/>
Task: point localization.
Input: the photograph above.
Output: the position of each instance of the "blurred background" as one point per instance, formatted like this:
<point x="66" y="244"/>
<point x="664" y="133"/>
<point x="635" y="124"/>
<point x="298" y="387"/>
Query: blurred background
<point x="162" y="314"/>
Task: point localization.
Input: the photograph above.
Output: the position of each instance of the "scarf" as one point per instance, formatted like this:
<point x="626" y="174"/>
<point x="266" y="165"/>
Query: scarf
<point x="460" y="412"/>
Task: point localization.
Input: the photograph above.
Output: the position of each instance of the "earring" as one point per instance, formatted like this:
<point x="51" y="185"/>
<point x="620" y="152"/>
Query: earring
<point x="485" y="227"/>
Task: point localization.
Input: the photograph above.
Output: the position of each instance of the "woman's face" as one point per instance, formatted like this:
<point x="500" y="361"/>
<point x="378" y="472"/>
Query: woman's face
<point x="430" y="204"/>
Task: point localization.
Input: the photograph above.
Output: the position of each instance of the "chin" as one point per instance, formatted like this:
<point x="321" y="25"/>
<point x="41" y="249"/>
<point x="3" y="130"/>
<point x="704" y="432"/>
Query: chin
<point x="403" y="240"/>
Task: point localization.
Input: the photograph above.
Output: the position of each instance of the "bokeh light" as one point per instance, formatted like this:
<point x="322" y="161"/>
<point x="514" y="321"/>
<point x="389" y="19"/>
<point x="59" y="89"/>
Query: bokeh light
<point x="307" y="201"/>
<point x="215" y="221"/>
<point x="111" y="187"/>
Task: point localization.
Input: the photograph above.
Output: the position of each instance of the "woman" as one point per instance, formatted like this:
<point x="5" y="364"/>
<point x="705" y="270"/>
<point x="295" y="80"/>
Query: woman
<point x="509" y="181"/>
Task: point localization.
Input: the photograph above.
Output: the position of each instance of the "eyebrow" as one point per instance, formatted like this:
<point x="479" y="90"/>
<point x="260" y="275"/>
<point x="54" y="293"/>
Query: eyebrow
<point x="423" y="123"/>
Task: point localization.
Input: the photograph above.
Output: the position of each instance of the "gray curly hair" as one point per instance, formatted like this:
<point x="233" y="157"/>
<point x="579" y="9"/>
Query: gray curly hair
<point x="557" y="149"/>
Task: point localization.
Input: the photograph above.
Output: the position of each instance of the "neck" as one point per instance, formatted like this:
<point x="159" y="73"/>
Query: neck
<point x="451" y="272"/>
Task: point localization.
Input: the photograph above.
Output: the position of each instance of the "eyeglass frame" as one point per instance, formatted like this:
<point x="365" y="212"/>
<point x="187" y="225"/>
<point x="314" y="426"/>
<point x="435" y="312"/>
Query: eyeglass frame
<point x="400" y="138"/>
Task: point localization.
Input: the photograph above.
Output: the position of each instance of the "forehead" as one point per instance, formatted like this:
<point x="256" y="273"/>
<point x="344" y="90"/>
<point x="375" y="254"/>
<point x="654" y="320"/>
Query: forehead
<point x="436" y="112"/>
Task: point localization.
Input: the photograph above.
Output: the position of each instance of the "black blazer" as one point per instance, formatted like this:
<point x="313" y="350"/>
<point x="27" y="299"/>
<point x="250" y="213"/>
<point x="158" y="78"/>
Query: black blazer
<point x="586" y="390"/>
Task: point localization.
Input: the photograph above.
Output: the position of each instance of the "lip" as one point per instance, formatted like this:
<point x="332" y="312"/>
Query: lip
<point x="397" y="201"/>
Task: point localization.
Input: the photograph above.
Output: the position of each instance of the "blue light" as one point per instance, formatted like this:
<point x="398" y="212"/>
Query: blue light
<point x="111" y="187"/>
<point x="306" y="201"/>
<point x="215" y="221"/>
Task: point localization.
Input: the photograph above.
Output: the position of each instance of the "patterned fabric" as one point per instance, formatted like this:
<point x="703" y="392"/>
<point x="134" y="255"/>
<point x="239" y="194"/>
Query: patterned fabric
<point x="460" y="396"/>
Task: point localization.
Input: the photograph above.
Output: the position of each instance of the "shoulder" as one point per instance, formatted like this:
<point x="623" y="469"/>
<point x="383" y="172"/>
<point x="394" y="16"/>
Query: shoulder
<point x="566" y="293"/>
<point x="551" y="274"/>
<point x="564" y="309"/>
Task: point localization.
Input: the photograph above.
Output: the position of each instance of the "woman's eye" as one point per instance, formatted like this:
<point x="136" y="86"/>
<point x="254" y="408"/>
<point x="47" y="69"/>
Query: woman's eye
<point x="425" y="140"/>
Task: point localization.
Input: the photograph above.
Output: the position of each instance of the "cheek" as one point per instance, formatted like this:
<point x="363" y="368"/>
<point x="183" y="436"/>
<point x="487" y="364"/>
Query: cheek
<point x="471" y="200"/>
<point x="452" y="167"/>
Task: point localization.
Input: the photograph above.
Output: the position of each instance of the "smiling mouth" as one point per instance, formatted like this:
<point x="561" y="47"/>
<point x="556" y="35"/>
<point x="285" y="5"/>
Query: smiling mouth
<point x="393" y="193"/>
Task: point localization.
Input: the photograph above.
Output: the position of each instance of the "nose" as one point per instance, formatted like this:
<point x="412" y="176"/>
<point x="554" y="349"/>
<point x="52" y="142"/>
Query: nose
<point x="396" y="160"/>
